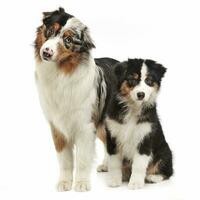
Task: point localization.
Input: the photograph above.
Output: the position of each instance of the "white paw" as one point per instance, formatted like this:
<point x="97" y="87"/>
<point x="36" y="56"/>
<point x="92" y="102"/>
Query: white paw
<point x="64" y="186"/>
<point x="115" y="181"/>
<point x="102" y="168"/>
<point x="154" y="178"/>
<point x="82" y="186"/>
<point x="136" y="182"/>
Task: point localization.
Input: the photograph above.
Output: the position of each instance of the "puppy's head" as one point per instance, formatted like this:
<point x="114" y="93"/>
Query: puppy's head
<point x="63" y="39"/>
<point x="139" y="80"/>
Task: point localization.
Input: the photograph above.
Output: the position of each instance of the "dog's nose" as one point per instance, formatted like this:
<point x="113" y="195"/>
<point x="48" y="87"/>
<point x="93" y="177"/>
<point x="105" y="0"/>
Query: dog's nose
<point x="140" y="95"/>
<point x="47" y="53"/>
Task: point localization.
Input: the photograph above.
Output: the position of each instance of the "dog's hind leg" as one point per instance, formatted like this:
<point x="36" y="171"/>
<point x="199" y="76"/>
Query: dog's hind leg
<point x="104" y="166"/>
<point x="102" y="136"/>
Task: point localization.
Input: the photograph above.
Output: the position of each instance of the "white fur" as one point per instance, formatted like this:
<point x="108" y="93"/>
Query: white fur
<point x="114" y="169"/>
<point x="104" y="166"/>
<point x="128" y="136"/>
<point x="68" y="102"/>
<point x="139" y="167"/>
<point x="155" y="178"/>
<point x="65" y="159"/>
<point x="150" y="92"/>
<point x="52" y="44"/>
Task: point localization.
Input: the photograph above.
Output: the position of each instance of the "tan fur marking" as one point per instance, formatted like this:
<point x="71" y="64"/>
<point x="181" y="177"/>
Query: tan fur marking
<point x="125" y="89"/>
<point x="39" y="41"/>
<point x="58" y="138"/>
<point x="67" y="60"/>
<point x="126" y="171"/>
<point x="155" y="85"/>
<point x="56" y="26"/>
<point x="68" y="33"/>
<point x="101" y="134"/>
<point x="153" y="168"/>
<point x="135" y="76"/>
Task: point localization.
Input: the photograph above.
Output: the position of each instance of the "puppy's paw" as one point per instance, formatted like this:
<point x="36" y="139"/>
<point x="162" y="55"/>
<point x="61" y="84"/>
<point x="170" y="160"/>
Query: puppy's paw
<point x="82" y="186"/>
<point x="136" y="182"/>
<point x="102" y="168"/>
<point x="64" y="186"/>
<point x="115" y="181"/>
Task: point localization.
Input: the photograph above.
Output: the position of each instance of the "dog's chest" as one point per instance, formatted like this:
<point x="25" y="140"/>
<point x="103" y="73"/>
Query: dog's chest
<point x="65" y="101"/>
<point x="128" y="134"/>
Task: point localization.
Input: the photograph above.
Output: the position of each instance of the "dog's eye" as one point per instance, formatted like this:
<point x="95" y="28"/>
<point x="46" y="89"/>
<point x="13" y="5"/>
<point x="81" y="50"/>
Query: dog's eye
<point x="149" y="81"/>
<point x="68" y="40"/>
<point x="132" y="82"/>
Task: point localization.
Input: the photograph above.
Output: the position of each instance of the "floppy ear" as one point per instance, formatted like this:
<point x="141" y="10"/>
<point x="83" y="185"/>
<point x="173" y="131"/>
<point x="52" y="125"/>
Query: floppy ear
<point x="162" y="69"/>
<point x="46" y="14"/>
<point x="87" y="40"/>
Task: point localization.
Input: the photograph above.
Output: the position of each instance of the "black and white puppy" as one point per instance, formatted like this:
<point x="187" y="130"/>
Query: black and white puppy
<point x="74" y="89"/>
<point x="134" y="137"/>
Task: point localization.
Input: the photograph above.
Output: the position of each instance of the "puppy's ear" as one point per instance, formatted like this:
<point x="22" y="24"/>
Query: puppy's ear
<point x="61" y="10"/>
<point x="87" y="40"/>
<point x="158" y="68"/>
<point x="162" y="70"/>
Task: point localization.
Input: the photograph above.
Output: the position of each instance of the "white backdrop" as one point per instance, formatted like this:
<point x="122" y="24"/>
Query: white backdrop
<point x="166" y="31"/>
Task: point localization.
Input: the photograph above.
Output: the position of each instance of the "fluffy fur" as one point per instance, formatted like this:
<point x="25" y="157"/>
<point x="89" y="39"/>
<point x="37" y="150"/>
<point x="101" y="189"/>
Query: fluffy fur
<point x="136" y="147"/>
<point x="74" y="90"/>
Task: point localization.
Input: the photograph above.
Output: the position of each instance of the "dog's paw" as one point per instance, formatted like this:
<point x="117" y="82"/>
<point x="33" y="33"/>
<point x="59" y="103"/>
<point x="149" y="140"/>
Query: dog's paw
<point x="64" y="186"/>
<point x="102" y="168"/>
<point x="136" y="182"/>
<point x="114" y="181"/>
<point x="82" y="186"/>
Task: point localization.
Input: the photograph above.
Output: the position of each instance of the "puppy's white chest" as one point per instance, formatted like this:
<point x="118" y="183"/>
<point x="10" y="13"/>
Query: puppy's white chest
<point x="128" y="135"/>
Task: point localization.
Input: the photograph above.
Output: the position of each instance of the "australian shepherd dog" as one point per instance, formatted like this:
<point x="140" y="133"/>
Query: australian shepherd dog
<point x="74" y="91"/>
<point x="136" y="147"/>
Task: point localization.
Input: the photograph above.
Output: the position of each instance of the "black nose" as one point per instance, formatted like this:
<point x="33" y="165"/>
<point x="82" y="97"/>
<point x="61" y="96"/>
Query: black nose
<point x="47" y="53"/>
<point x="140" y="95"/>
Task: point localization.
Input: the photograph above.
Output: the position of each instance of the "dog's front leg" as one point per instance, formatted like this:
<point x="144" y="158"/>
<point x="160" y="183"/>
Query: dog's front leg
<point x="65" y="159"/>
<point x="85" y="140"/>
<point x="139" y="167"/>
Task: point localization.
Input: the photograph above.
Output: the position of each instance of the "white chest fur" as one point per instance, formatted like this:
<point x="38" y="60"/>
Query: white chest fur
<point x="129" y="134"/>
<point x="67" y="100"/>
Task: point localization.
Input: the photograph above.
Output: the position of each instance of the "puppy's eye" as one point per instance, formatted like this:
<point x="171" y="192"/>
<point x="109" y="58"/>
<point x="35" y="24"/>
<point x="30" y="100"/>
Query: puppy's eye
<point x="132" y="82"/>
<point x="68" y="40"/>
<point x="149" y="81"/>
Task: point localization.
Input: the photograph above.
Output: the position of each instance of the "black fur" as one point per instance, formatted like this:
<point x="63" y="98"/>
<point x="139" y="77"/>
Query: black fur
<point x="107" y="74"/>
<point x="154" y="143"/>
<point x="110" y="143"/>
<point x="57" y="16"/>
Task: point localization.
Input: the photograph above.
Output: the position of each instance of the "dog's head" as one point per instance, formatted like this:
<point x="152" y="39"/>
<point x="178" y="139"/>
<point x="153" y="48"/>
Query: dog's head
<point x="63" y="39"/>
<point x="139" y="80"/>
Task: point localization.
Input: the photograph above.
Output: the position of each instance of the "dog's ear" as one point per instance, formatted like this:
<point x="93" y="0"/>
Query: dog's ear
<point x="158" y="68"/>
<point x="87" y="40"/>
<point x="46" y="14"/>
<point x="61" y="10"/>
<point x="162" y="70"/>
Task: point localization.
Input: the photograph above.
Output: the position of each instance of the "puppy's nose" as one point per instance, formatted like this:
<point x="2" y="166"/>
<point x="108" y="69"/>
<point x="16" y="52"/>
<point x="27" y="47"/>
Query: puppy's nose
<point x="140" y="95"/>
<point x="47" y="53"/>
